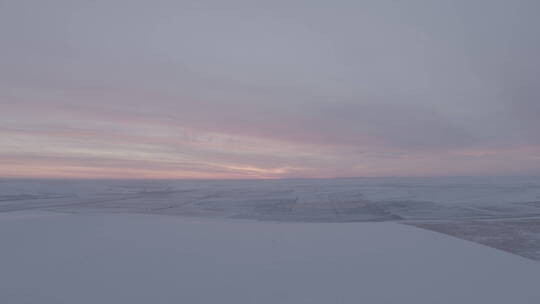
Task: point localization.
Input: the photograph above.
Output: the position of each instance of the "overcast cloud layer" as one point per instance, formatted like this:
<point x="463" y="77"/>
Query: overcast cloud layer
<point x="243" y="89"/>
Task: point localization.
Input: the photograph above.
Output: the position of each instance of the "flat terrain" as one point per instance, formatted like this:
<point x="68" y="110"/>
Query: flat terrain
<point x="503" y="213"/>
<point x="53" y="258"/>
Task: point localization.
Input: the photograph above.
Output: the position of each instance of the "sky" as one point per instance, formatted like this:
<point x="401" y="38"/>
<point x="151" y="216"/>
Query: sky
<point x="269" y="89"/>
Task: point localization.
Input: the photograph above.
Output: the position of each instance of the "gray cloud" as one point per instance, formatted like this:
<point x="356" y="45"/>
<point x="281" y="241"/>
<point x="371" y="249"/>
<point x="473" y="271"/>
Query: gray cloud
<point x="399" y="78"/>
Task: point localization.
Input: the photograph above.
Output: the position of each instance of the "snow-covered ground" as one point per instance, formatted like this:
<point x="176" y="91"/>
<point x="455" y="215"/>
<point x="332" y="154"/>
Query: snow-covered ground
<point x="128" y="258"/>
<point x="273" y="241"/>
<point x="501" y="212"/>
<point x="342" y="200"/>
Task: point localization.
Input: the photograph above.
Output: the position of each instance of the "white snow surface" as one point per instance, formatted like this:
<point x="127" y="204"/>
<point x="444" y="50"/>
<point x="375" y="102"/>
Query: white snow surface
<point x="52" y="258"/>
<point x="334" y="200"/>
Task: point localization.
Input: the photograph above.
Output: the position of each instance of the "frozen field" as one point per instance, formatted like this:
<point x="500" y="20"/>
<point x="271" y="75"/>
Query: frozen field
<point x="97" y="258"/>
<point x="275" y="241"/>
<point x="502" y="213"/>
<point x="332" y="200"/>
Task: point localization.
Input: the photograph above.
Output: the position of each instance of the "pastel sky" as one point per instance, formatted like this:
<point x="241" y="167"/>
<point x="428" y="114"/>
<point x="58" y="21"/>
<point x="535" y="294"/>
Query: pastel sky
<point x="269" y="89"/>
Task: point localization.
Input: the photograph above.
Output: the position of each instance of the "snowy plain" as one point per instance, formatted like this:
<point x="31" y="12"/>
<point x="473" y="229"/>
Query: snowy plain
<point x="97" y="258"/>
<point x="280" y="241"/>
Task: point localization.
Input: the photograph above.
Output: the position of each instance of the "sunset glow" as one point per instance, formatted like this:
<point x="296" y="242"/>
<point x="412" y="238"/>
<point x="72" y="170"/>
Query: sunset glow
<point x="212" y="91"/>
